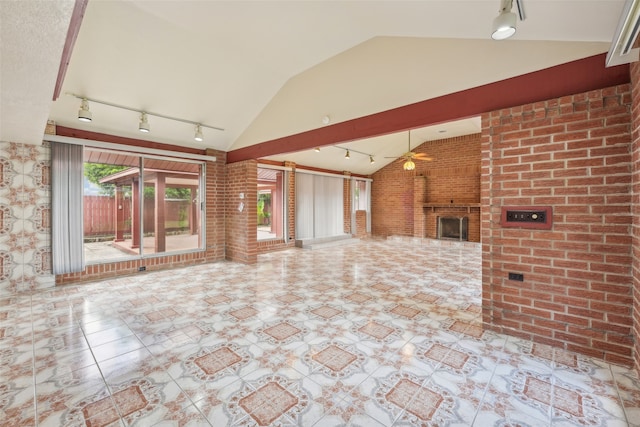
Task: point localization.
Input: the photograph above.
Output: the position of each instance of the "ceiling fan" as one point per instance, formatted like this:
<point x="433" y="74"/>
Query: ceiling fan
<point x="410" y="156"/>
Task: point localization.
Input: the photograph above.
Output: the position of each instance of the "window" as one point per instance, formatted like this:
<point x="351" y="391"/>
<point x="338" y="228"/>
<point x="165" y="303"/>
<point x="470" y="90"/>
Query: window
<point x="140" y="205"/>
<point x="271" y="213"/>
<point x="360" y="201"/>
<point x="360" y="198"/>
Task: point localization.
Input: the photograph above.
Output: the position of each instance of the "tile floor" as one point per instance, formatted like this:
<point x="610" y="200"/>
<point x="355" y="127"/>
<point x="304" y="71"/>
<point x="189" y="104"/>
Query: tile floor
<point x="377" y="333"/>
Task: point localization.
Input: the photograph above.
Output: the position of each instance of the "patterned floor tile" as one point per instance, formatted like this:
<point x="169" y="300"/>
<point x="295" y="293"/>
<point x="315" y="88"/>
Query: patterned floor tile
<point x="294" y="341"/>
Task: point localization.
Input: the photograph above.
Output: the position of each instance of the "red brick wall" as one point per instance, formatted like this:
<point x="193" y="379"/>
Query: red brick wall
<point x="635" y="152"/>
<point x="392" y="202"/>
<point x="214" y="248"/>
<point x="572" y="153"/>
<point x="216" y="182"/>
<point x="346" y="203"/>
<point x="361" y="224"/>
<point x="241" y="227"/>
<point x="454" y="174"/>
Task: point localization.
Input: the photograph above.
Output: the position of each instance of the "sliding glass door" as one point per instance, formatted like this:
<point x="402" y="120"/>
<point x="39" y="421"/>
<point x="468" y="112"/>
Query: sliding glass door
<point x="136" y="206"/>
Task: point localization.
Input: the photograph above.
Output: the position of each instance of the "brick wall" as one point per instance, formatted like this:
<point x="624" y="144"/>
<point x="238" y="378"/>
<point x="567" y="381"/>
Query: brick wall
<point x="453" y="174"/>
<point x="361" y="224"/>
<point x="241" y="226"/>
<point x="346" y="203"/>
<point x="214" y="247"/>
<point x="216" y="181"/>
<point x="572" y="153"/>
<point x="635" y="152"/>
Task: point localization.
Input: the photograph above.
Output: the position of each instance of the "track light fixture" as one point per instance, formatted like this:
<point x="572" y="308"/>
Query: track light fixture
<point x="504" y="25"/>
<point x="84" y="115"/>
<point x="144" y="123"/>
<point x="348" y="153"/>
<point x="198" y="136"/>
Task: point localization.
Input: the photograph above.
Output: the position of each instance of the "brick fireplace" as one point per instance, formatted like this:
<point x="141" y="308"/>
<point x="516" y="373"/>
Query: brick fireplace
<point x="409" y="203"/>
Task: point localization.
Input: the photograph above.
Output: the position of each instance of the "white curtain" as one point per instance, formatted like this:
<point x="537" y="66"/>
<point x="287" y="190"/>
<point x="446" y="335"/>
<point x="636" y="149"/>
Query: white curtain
<point x="304" y="206"/>
<point x="329" y="210"/>
<point x="319" y="206"/>
<point x="354" y="204"/>
<point x="67" y="164"/>
<point x="368" y="194"/>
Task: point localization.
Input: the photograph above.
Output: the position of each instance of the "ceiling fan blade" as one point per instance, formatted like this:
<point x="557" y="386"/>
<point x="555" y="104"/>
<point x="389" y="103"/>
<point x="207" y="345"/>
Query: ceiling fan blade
<point x="428" y="159"/>
<point x="415" y="156"/>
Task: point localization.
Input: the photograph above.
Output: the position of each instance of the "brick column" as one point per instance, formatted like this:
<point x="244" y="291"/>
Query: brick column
<point x="346" y="197"/>
<point x="419" y="197"/>
<point x="635" y="207"/>
<point x="291" y="202"/>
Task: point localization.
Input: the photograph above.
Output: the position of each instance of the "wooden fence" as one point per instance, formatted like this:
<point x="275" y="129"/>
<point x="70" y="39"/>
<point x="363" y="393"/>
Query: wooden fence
<point x="99" y="215"/>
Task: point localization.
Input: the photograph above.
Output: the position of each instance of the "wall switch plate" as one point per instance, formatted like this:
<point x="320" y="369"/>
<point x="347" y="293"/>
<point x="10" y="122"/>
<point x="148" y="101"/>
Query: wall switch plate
<point x="537" y="217"/>
<point x="519" y="277"/>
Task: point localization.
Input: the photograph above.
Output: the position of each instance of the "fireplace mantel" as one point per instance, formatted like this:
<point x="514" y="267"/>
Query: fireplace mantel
<point x="468" y="206"/>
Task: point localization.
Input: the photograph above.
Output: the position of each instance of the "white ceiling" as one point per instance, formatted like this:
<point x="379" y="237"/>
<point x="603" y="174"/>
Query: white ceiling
<point x="267" y="69"/>
<point x="32" y="36"/>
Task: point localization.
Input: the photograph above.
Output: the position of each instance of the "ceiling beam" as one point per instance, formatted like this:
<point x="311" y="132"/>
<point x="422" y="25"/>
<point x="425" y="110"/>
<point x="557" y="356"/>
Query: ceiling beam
<point x="114" y="139"/>
<point x="566" y="79"/>
<point x="72" y="34"/>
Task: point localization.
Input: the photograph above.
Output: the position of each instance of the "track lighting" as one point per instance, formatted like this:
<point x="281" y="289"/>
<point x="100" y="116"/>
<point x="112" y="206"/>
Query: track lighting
<point x="348" y="153"/>
<point x="84" y="115"/>
<point x="198" y="136"/>
<point x="144" y="123"/>
<point x="504" y="25"/>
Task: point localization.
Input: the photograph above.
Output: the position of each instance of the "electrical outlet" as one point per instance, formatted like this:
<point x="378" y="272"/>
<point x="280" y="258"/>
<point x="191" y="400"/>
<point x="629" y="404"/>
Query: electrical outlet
<point x="516" y="276"/>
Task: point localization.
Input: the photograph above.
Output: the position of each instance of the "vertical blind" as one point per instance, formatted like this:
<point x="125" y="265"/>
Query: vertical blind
<point x="319" y="206"/>
<point x="66" y="207"/>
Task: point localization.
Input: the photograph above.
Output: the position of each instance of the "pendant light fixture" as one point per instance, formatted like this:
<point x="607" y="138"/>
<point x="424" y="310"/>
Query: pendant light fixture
<point x="409" y="165"/>
<point x="371" y="160"/>
<point x="84" y="115"/>
<point x="144" y="123"/>
<point x="198" y="136"/>
<point x="347" y="156"/>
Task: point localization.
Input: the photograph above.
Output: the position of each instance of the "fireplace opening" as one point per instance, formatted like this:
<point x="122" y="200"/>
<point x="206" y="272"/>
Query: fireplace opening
<point x="453" y="228"/>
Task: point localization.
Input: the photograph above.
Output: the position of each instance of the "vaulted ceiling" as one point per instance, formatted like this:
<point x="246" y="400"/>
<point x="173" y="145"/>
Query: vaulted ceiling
<point x="263" y="70"/>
